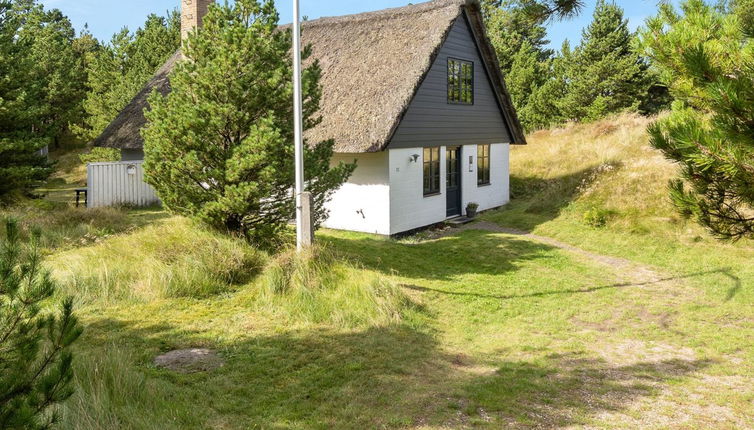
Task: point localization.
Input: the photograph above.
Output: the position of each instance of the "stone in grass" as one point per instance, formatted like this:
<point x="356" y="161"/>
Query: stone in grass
<point x="190" y="360"/>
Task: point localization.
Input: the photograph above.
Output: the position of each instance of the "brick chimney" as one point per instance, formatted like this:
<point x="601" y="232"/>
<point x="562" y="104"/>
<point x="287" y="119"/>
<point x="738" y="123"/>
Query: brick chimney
<point x="192" y="13"/>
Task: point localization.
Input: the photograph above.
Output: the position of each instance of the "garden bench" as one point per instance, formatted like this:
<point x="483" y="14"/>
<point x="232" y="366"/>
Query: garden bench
<point x="79" y="192"/>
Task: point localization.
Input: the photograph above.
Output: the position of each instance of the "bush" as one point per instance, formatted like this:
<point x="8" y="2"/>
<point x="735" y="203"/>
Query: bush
<point x="35" y="357"/>
<point x="100" y="155"/>
<point x="315" y="287"/>
<point x="597" y="217"/>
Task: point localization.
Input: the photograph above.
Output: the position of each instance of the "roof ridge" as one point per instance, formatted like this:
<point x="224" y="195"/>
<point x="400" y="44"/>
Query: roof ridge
<point x="426" y="6"/>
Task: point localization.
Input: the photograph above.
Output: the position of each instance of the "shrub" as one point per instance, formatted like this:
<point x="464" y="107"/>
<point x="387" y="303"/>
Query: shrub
<point x="597" y="217"/>
<point x="315" y="287"/>
<point x="35" y="357"/>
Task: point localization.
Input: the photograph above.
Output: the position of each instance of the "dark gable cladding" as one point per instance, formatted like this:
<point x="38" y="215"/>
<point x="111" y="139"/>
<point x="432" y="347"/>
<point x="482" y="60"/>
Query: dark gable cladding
<point x="373" y="65"/>
<point x="431" y="120"/>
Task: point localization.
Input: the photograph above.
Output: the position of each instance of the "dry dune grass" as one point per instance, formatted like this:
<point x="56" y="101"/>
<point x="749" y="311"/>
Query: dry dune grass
<point x="608" y="164"/>
<point x="173" y="258"/>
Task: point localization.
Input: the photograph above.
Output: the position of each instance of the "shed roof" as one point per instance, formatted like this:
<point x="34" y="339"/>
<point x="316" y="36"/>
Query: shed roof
<point x="372" y="65"/>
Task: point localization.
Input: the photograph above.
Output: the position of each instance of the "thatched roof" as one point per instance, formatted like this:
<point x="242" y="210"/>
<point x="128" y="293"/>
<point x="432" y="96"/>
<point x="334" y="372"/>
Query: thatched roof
<point x="372" y="65"/>
<point x="125" y="130"/>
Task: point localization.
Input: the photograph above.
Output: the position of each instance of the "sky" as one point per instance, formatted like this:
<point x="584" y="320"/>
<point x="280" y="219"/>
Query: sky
<point x="105" y="17"/>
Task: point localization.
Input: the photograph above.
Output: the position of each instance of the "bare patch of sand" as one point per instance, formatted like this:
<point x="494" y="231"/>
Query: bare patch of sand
<point x="190" y="360"/>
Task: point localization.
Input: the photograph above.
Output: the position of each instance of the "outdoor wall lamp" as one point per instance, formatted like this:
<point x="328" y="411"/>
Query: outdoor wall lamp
<point x="414" y="158"/>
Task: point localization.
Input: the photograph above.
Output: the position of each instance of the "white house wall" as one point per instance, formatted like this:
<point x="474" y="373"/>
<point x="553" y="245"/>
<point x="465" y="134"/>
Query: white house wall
<point x="409" y="209"/>
<point x="497" y="193"/>
<point x="363" y="203"/>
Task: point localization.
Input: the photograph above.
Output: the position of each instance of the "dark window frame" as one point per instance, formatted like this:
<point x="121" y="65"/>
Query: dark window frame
<point x="431" y="183"/>
<point x="457" y="93"/>
<point x="483" y="176"/>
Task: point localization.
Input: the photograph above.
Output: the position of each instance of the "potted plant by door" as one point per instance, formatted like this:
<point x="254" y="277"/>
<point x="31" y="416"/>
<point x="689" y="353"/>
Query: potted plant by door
<point x="471" y="209"/>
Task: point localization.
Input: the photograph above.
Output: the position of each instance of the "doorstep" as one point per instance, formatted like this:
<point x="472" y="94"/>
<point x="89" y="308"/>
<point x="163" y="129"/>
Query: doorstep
<point x="458" y="221"/>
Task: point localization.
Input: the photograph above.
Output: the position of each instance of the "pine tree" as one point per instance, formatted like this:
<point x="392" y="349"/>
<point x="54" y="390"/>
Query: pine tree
<point x="543" y="10"/>
<point x="35" y="346"/>
<point x="116" y="72"/>
<point x="105" y="68"/>
<point x="21" y="164"/>
<point x="744" y="9"/>
<point x="56" y="69"/>
<point x="509" y="28"/>
<point x="219" y="147"/>
<point x="85" y="47"/>
<point x="520" y="42"/>
<point x="527" y="74"/>
<point x="544" y="106"/>
<point x="606" y="74"/>
<point x="705" y="57"/>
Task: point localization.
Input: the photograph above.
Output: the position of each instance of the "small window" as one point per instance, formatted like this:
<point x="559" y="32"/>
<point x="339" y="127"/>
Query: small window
<point x="431" y="171"/>
<point x="483" y="164"/>
<point x="460" y="81"/>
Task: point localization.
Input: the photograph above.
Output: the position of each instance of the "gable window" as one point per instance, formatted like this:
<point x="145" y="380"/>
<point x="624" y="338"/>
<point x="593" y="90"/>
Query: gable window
<point x="483" y="164"/>
<point x="431" y="171"/>
<point x="460" y="81"/>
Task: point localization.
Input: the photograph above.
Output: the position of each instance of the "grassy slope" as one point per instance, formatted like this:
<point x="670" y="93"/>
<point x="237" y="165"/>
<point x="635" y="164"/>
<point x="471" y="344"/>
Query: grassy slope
<point x="433" y="367"/>
<point x="500" y="330"/>
<point x="563" y="173"/>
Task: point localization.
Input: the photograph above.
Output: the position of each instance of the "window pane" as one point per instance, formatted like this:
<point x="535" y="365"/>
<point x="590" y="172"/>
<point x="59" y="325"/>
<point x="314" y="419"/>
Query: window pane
<point x="451" y="80"/>
<point x="451" y="167"/>
<point x="483" y="164"/>
<point x="457" y="82"/>
<point x="426" y="161"/>
<point x="436" y="170"/>
<point x="431" y="170"/>
<point x="464" y="84"/>
<point x="460" y="81"/>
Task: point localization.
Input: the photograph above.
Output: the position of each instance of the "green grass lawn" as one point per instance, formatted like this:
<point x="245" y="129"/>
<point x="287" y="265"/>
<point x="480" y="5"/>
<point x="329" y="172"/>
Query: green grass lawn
<point x="499" y="331"/>
<point x="474" y="329"/>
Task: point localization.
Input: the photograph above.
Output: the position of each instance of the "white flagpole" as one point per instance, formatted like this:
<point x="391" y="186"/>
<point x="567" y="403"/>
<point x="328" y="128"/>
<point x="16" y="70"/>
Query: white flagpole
<point x="298" y="125"/>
